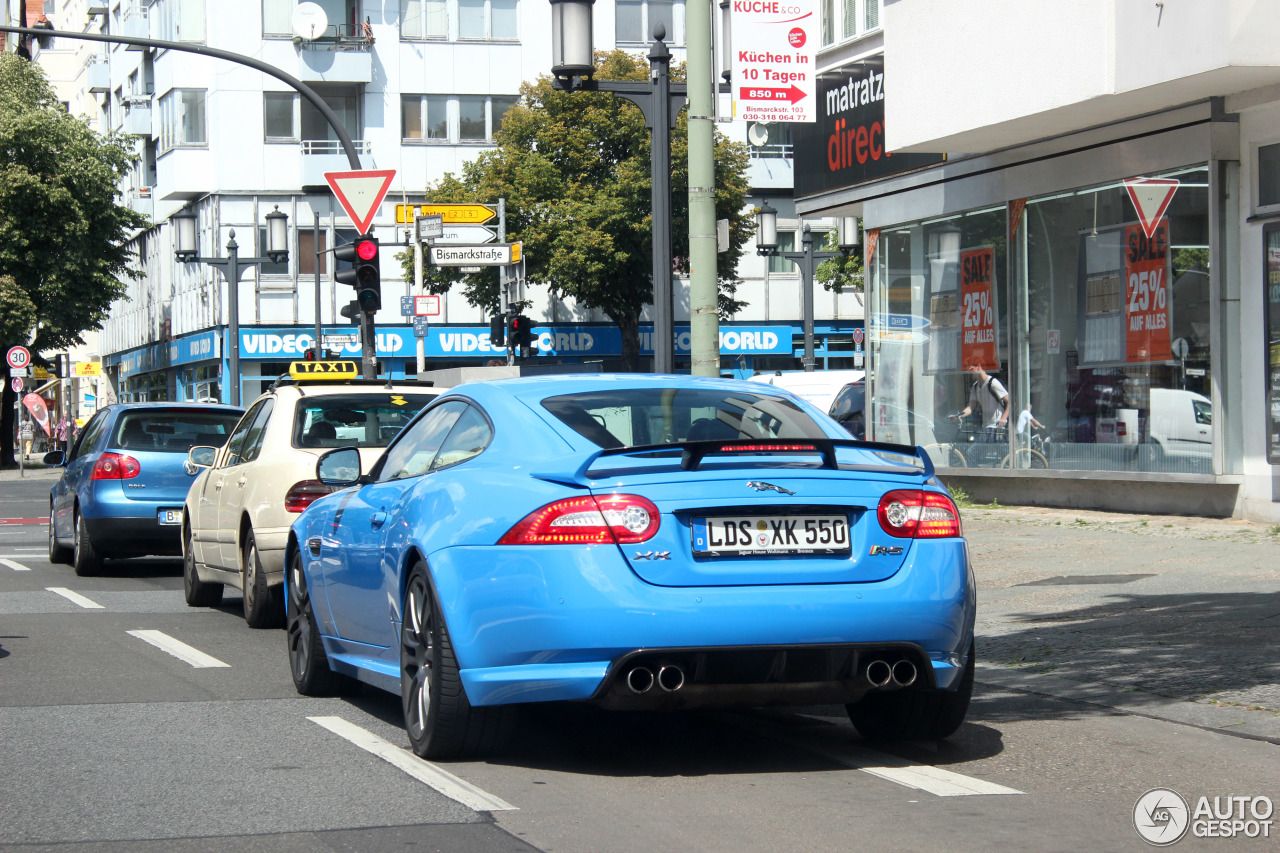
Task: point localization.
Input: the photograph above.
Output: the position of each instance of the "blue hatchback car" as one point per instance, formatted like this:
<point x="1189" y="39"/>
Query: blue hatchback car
<point x="125" y="479"/>
<point x="638" y="542"/>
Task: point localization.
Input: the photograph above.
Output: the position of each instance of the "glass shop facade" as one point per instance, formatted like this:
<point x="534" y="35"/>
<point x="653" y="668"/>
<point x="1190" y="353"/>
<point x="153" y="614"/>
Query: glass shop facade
<point x="1096" y="278"/>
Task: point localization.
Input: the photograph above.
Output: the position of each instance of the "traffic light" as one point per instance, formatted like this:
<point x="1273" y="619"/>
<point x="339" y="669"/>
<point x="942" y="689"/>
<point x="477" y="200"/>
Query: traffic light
<point x="521" y="331"/>
<point x="365" y="275"/>
<point x="312" y="354"/>
<point x="351" y="311"/>
<point x="497" y="332"/>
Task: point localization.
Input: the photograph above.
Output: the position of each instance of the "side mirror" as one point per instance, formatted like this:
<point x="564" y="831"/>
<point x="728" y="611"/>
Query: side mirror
<point x="55" y="458"/>
<point x="339" y="467"/>
<point x="200" y="456"/>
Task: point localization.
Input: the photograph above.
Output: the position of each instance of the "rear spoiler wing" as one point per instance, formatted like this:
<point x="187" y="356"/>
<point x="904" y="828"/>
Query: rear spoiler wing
<point x="692" y="453"/>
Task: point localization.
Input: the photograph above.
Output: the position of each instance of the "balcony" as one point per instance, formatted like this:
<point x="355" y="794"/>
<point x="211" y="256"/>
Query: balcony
<point x="98" y="72"/>
<point x="134" y="24"/>
<point x="325" y="155"/>
<point x="137" y="116"/>
<point x="334" y="59"/>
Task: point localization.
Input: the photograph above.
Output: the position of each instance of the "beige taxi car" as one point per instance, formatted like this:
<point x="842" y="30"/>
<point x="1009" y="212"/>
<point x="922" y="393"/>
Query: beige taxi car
<point x="238" y="511"/>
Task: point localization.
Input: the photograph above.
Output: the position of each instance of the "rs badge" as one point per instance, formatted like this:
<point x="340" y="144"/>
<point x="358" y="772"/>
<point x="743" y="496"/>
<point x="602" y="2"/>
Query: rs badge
<point x="877" y="550"/>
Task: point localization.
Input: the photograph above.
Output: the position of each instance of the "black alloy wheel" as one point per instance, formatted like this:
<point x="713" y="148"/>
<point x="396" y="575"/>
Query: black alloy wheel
<point x="85" y="559"/>
<point x="262" y="605"/>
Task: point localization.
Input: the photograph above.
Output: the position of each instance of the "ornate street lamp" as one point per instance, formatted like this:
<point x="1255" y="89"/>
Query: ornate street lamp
<point x="806" y="259"/>
<point x="573" y="69"/>
<point x="187" y="250"/>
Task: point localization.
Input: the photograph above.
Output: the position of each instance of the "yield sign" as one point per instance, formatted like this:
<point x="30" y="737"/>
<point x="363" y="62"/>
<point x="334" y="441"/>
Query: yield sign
<point x="1151" y="197"/>
<point x="360" y="193"/>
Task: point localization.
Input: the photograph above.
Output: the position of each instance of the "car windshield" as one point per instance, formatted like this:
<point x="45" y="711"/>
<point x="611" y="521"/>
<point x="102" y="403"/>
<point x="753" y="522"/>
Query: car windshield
<point x="354" y="420"/>
<point x="173" y="430"/>
<point x="646" y="416"/>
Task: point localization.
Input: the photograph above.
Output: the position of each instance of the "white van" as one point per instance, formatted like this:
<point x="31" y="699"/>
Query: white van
<point x="1181" y="422"/>
<point x="819" y="387"/>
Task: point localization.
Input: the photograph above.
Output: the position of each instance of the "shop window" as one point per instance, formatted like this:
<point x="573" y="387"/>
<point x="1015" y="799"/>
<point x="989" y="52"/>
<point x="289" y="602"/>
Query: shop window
<point x="1269" y="176"/>
<point x="1103" y="333"/>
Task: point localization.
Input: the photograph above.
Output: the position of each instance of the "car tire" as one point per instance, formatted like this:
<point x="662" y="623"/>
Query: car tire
<point x="84" y="558"/>
<point x="196" y="592"/>
<point x="262" y="605"/>
<point x="57" y="553"/>
<point x="308" y="662"/>
<point x="440" y="720"/>
<point x="914" y="714"/>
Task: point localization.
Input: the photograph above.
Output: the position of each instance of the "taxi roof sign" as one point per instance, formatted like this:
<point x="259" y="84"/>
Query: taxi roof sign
<point x="322" y="371"/>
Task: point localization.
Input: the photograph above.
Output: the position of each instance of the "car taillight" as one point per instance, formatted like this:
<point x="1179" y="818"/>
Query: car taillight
<point x="911" y="514"/>
<point x="587" y="520"/>
<point x="115" y="466"/>
<point x="304" y="493"/>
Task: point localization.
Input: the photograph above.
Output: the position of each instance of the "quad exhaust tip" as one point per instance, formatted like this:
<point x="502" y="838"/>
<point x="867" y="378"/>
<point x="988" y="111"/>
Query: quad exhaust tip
<point x="670" y="678"/>
<point x="879" y="673"/>
<point x="904" y="673"/>
<point x="640" y="679"/>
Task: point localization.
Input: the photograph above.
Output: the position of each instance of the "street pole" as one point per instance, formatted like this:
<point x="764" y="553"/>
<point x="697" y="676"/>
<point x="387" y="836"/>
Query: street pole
<point x="660" y="201"/>
<point x="231" y="267"/>
<point x="315" y="244"/>
<point x="704" y="309"/>
<point x="418" y="288"/>
<point x="807" y="260"/>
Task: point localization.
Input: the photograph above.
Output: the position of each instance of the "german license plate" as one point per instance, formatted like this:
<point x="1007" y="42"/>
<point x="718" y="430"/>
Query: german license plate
<point x="771" y="535"/>
<point x="170" y="516"/>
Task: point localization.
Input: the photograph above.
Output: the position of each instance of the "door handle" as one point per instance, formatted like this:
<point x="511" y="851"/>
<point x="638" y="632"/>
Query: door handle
<point x="217" y="487"/>
<point x="377" y="520"/>
<point x="241" y="482"/>
<point x="313" y="545"/>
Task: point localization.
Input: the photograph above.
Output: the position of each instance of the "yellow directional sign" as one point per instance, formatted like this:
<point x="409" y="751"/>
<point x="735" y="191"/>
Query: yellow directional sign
<point x="323" y="370"/>
<point x="86" y="368"/>
<point x="452" y="214"/>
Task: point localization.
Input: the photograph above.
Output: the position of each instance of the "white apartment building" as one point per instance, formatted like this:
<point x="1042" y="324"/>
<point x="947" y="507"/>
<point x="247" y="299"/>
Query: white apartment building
<point x="423" y="96"/>
<point x="1108" y="207"/>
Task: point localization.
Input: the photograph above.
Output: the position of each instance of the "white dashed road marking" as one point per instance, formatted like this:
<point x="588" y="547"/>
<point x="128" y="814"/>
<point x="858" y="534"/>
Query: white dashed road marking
<point x="75" y="598"/>
<point x="424" y="771"/>
<point x="178" y="649"/>
<point x="17" y="567"/>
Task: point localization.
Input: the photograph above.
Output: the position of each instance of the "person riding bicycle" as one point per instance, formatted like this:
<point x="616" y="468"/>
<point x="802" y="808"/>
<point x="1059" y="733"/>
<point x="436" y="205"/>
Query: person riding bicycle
<point x="986" y="393"/>
<point x="1026" y="419"/>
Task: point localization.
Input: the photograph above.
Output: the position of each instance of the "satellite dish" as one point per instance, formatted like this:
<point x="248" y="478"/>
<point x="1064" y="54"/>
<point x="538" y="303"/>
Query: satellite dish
<point x="757" y="134"/>
<point x="309" y="21"/>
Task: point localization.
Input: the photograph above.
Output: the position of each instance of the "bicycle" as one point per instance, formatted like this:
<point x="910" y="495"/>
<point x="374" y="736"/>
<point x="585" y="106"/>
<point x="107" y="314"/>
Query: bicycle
<point x="1034" y="456"/>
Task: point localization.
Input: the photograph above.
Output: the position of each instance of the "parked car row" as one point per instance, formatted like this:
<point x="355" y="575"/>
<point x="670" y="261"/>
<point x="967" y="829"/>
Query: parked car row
<point x="633" y="541"/>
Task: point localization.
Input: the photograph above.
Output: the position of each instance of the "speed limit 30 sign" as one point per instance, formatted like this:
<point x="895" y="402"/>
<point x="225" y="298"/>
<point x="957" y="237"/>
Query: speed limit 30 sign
<point x="18" y="357"/>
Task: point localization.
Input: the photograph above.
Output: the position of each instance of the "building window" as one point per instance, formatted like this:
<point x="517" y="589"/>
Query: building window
<point x="777" y="263"/>
<point x="1269" y="175"/>
<point x="424" y="19"/>
<point x="318" y="137"/>
<point x="847" y="19"/>
<point x="277" y="17"/>
<point x="280" y="116"/>
<point x="271" y="267"/>
<point x="309" y="253"/>
<point x="182" y="118"/>
<point x="180" y="20"/>
<point x="424" y="117"/>
<point x="634" y="20"/>
<point x="478" y="20"/>
<point x="480" y="116"/>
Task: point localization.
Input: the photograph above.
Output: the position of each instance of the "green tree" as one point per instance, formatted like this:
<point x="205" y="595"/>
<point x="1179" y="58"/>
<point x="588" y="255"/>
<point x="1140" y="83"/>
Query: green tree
<point x="837" y="274"/>
<point x="63" y="258"/>
<point x="574" y="170"/>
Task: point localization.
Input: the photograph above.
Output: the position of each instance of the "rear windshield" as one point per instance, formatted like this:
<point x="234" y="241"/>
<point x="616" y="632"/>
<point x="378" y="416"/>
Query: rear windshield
<point x="645" y="416"/>
<point x="172" y="430"/>
<point x="354" y="420"/>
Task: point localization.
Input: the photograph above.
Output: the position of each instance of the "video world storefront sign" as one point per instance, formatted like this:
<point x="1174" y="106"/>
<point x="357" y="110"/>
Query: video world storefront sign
<point x="846" y="145"/>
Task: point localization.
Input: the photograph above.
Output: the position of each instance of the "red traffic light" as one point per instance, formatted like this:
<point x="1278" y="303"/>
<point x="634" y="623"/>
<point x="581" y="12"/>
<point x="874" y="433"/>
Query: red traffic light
<point x="367" y="250"/>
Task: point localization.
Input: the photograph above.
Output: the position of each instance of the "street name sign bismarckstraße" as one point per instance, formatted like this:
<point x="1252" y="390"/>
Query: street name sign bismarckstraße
<point x="491" y="255"/>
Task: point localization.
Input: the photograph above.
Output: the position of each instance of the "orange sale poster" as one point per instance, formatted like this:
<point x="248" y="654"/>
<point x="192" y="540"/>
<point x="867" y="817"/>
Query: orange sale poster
<point x="1148" y="302"/>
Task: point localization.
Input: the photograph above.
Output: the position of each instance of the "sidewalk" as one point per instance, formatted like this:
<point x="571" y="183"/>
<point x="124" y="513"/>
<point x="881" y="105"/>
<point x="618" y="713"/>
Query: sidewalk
<point x="33" y="470"/>
<point x="1171" y="617"/>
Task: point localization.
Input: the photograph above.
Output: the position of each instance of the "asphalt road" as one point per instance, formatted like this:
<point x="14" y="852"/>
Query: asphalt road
<point x="109" y="742"/>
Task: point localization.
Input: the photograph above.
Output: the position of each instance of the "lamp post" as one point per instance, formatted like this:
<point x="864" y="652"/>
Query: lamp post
<point x="573" y="69"/>
<point x="806" y="259"/>
<point x="188" y="251"/>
